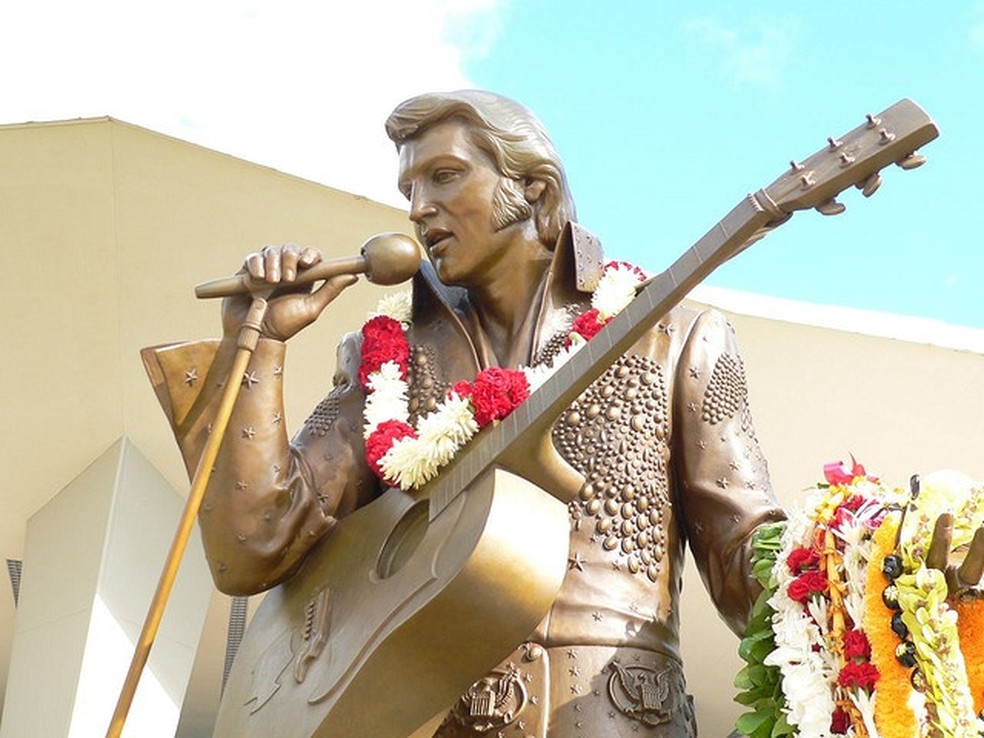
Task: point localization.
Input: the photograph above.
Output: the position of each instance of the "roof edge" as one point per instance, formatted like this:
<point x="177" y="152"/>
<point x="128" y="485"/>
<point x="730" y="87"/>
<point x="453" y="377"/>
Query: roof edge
<point x="846" y="319"/>
<point x="150" y="131"/>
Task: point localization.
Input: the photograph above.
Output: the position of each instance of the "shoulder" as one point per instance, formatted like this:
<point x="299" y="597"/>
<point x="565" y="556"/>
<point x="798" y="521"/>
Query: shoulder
<point x="348" y="357"/>
<point x="707" y="326"/>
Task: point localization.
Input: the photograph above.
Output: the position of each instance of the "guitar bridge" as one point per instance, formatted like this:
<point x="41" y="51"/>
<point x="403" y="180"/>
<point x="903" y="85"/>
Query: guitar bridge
<point x="314" y="635"/>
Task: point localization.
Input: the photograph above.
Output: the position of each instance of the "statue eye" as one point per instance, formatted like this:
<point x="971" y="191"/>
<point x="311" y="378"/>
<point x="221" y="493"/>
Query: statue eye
<point x="444" y="176"/>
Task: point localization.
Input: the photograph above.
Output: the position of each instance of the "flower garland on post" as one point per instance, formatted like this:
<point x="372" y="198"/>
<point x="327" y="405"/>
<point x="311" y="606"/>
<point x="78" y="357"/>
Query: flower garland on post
<point x="407" y="456"/>
<point x="849" y="582"/>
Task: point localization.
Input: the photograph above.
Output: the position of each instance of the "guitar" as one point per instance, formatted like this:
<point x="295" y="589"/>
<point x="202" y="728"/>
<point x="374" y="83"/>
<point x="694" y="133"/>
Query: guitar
<point x="416" y="595"/>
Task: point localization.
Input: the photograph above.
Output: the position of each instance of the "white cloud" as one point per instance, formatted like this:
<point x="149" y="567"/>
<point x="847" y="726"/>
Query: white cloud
<point x="293" y="84"/>
<point x="756" y="54"/>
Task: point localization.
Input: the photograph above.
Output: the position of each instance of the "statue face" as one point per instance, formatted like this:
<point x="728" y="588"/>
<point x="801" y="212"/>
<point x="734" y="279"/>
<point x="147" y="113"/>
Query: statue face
<point x="450" y="184"/>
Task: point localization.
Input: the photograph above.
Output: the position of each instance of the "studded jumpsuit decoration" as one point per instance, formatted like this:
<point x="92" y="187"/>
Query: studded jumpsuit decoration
<point x="664" y="449"/>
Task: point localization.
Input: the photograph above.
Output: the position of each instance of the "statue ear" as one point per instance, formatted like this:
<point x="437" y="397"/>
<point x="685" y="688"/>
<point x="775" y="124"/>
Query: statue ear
<point x="534" y="189"/>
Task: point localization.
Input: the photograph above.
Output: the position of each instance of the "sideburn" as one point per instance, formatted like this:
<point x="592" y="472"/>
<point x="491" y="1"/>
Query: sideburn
<point x="509" y="204"/>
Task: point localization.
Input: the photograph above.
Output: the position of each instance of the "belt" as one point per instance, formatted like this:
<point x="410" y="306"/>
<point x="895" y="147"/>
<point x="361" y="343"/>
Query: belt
<point x="576" y="692"/>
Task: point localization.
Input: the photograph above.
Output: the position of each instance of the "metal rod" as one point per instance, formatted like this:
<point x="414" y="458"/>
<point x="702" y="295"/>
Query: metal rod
<point x="246" y="343"/>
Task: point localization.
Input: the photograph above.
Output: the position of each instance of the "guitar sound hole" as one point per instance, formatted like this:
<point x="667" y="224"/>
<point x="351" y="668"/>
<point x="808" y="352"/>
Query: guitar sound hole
<point x="403" y="540"/>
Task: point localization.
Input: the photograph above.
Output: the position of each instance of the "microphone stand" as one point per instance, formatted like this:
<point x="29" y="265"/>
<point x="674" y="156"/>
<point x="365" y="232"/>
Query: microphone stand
<point x="246" y="343"/>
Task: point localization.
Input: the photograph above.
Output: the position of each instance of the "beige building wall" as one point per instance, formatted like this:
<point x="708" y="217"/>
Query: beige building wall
<point x="105" y="227"/>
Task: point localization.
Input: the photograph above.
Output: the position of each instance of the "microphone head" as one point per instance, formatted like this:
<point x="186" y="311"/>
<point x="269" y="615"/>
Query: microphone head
<point x="391" y="258"/>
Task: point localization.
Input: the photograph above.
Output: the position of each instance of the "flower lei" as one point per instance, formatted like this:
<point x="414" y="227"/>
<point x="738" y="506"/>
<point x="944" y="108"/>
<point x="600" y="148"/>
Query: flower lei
<point x="835" y="626"/>
<point x="408" y="456"/>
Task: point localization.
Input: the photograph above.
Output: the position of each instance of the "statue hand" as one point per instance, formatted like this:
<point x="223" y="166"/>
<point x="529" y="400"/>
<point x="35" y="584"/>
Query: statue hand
<point x="291" y="308"/>
<point x="963" y="575"/>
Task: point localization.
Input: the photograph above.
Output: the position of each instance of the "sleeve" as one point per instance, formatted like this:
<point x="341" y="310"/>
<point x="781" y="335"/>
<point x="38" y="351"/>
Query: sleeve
<point x="723" y="486"/>
<point x="269" y="499"/>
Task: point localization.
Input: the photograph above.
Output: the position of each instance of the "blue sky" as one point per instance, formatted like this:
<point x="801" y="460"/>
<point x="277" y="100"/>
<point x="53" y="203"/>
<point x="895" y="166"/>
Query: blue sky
<point x="666" y="114"/>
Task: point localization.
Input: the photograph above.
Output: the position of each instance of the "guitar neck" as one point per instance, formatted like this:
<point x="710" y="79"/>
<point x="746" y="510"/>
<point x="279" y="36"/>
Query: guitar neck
<point x="538" y="413"/>
<point x="855" y="159"/>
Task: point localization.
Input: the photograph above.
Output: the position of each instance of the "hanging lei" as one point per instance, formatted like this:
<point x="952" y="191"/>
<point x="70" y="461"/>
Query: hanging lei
<point x="857" y="625"/>
<point x="408" y="456"/>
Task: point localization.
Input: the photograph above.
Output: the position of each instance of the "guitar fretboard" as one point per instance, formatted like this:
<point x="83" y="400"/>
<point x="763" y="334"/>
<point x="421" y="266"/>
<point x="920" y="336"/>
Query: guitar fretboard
<point x="653" y="301"/>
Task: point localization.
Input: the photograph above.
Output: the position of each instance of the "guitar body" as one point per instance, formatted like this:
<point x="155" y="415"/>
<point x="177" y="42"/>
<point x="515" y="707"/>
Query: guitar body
<point x="394" y="615"/>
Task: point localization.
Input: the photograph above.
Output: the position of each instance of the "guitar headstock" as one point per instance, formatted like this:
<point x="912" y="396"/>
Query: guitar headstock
<point x="856" y="158"/>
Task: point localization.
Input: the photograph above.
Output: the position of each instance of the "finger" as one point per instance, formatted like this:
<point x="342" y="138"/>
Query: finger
<point x="254" y="265"/>
<point x="289" y="256"/>
<point x="271" y="264"/>
<point x="939" y="549"/>
<point x="309" y="257"/>
<point x="973" y="566"/>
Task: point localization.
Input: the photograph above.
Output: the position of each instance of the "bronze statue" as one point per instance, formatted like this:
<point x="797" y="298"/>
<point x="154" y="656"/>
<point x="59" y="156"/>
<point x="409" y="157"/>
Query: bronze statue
<point x="657" y="452"/>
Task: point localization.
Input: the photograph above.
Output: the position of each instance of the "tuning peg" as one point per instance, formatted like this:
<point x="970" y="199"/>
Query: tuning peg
<point x="845" y="159"/>
<point x="834" y="143"/>
<point x="807" y="181"/>
<point x="913" y="160"/>
<point x="872" y="121"/>
<point x="795" y="166"/>
<point x="885" y="137"/>
<point x="870" y="185"/>
<point x="831" y="207"/>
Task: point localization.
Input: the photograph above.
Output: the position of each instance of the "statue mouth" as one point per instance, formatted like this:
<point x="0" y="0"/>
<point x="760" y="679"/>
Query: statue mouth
<point x="435" y="239"/>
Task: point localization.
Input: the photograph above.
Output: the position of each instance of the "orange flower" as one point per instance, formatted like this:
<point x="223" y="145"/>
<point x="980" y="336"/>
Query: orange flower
<point x="970" y="625"/>
<point x="892" y="714"/>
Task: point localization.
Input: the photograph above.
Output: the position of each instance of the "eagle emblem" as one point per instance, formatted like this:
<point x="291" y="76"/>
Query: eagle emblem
<point x="649" y="695"/>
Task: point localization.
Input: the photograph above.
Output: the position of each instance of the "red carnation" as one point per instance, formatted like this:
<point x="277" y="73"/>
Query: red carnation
<point x="587" y="325"/>
<point x="806" y="585"/>
<point x="802" y="558"/>
<point x="382" y="340"/>
<point x="840" y="721"/>
<point x="496" y="393"/>
<point x="856" y="645"/>
<point x="626" y="265"/>
<point x="861" y="674"/>
<point x="382" y="439"/>
<point x="462" y="389"/>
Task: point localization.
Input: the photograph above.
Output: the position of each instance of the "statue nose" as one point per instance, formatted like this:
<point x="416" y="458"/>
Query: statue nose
<point x="421" y="205"/>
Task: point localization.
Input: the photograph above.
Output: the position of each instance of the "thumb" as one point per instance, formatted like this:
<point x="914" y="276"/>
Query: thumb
<point x="332" y="288"/>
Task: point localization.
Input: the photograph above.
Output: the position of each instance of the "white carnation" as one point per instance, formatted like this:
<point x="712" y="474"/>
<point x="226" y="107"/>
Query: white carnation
<point x="616" y="289"/>
<point x="386" y="399"/>
<point x="408" y="463"/>
<point x="452" y="421"/>
<point x="397" y="306"/>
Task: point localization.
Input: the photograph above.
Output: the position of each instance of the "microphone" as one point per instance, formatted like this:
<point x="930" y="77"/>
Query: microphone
<point x="385" y="259"/>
